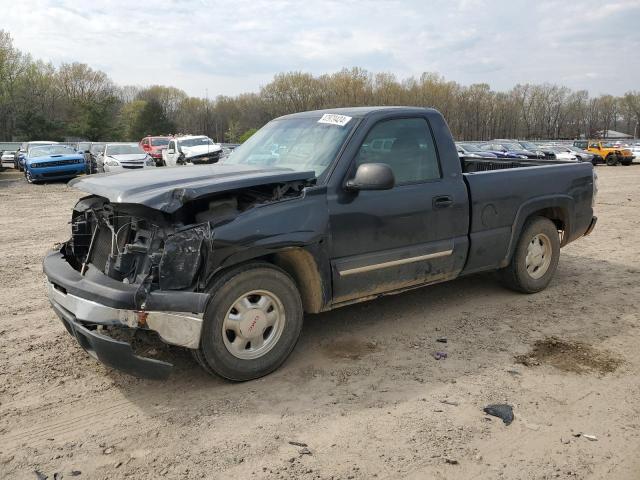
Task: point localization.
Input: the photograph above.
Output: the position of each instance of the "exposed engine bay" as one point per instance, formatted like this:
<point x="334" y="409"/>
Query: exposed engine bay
<point x="135" y="244"/>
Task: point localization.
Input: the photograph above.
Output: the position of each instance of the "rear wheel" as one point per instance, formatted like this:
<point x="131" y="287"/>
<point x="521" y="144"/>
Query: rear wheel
<point x="535" y="259"/>
<point x="626" y="161"/>
<point x="252" y="322"/>
<point x="612" y="160"/>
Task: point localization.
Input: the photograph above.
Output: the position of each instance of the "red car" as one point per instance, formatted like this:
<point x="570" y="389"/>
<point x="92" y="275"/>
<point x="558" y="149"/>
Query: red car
<point x="154" y="146"/>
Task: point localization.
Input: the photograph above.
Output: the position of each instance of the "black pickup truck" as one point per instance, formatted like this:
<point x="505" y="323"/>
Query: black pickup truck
<point x="315" y="211"/>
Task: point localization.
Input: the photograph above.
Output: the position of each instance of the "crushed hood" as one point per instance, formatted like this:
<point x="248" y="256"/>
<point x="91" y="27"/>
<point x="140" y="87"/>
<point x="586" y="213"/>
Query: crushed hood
<point x="168" y="189"/>
<point x="199" y="150"/>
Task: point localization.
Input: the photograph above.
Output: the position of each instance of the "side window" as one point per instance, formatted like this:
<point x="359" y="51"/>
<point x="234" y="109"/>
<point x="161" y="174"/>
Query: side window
<point x="172" y="145"/>
<point x="406" y="145"/>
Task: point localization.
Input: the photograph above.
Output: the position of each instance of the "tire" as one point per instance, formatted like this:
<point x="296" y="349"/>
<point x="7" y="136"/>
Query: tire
<point x="612" y="160"/>
<point x="539" y="234"/>
<point x="228" y="351"/>
<point x="626" y="162"/>
<point x="29" y="178"/>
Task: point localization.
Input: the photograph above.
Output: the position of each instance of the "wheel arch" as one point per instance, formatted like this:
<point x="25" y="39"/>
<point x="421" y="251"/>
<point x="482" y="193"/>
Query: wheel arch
<point x="302" y="264"/>
<point x="557" y="208"/>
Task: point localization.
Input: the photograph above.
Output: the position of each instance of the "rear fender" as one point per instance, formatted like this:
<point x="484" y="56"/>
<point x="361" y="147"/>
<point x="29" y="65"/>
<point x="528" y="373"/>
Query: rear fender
<point x="559" y="208"/>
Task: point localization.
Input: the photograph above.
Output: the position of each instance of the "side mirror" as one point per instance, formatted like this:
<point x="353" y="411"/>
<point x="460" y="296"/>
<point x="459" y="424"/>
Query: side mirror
<point x="372" y="176"/>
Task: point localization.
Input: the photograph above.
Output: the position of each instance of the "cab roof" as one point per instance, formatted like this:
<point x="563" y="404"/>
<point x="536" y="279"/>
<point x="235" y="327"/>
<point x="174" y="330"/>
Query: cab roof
<point x="358" y="112"/>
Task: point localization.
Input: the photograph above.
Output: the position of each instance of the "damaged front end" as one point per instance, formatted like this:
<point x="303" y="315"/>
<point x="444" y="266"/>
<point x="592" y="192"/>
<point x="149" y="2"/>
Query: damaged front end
<point x="129" y="269"/>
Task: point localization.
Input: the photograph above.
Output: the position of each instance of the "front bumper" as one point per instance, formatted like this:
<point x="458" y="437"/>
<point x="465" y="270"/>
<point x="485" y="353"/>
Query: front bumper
<point x="113" y="353"/>
<point x="84" y="302"/>
<point x="125" y="167"/>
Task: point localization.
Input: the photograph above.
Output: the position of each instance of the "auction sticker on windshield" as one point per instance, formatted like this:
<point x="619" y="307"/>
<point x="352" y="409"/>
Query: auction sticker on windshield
<point x="334" y="119"/>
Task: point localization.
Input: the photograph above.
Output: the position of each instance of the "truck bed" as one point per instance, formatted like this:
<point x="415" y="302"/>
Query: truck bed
<point x="501" y="199"/>
<point x="474" y="164"/>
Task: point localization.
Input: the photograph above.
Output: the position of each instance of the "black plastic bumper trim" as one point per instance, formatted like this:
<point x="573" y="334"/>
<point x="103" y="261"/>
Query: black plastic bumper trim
<point x="113" y="353"/>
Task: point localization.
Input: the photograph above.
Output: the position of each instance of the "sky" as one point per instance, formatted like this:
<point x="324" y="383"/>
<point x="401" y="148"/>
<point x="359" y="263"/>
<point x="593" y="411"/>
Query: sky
<point x="209" y="47"/>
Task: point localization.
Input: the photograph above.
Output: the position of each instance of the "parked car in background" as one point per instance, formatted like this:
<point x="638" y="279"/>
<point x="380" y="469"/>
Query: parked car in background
<point x="562" y="153"/>
<point x="581" y="155"/>
<point x="123" y="156"/>
<point x="82" y="147"/>
<point x="584" y="155"/>
<point x="91" y="156"/>
<point x="8" y="151"/>
<point x="635" y="151"/>
<point x="612" y="154"/>
<point x="52" y="162"/>
<point x="23" y="152"/>
<point x="154" y="147"/>
<point x="526" y="146"/>
<point x="191" y="150"/>
<point x="507" y="150"/>
<point x="473" y="150"/>
<point x="227" y="149"/>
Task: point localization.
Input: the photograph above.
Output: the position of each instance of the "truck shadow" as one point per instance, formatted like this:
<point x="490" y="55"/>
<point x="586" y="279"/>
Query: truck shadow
<point x="392" y="339"/>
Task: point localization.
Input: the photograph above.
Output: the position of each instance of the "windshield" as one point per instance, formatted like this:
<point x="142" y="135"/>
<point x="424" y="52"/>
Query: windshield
<point x="159" y="142"/>
<point x="297" y="143"/>
<point x="470" y="147"/>
<point x="124" y="149"/>
<point x="9" y="146"/>
<point x="529" y="146"/>
<point x="36" y="145"/>
<point x="36" y="152"/>
<point x="512" y="146"/>
<point x="194" y="142"/>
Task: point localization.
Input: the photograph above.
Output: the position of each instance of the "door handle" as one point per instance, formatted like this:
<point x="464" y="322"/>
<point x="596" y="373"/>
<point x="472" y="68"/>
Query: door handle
<point x="443" y="201"/>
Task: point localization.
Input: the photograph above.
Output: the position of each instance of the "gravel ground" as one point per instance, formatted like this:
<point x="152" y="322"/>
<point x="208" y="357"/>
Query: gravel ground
<point x="362" y="390"/>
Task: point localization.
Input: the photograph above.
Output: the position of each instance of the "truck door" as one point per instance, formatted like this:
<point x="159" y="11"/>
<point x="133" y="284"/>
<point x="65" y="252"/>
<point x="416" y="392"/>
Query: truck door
<point x="170" y="154"/>
<point x="412" y="234"/>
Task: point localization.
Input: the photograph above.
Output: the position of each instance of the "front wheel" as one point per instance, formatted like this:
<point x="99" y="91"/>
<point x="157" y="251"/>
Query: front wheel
<point x="252" y="322"/>
<point x="626" y="162"/>
<point x="28" y="177"/>
<point x="535" y="259"/>
<point x="612" y="160"/>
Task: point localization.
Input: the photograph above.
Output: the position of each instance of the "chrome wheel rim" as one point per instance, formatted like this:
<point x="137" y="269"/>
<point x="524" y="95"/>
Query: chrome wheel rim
<point x="253" y="324"/>
<point x="538" y="257"/>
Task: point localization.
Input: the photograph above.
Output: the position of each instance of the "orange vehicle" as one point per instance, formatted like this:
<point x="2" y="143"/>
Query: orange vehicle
<point x="611" y="153"/>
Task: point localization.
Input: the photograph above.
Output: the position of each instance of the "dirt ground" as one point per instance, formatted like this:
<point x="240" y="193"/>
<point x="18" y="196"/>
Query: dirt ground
<point x="362" y="389"/>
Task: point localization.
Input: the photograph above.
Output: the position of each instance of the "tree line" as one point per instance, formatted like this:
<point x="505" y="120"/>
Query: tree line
<point x="73" y="101"/>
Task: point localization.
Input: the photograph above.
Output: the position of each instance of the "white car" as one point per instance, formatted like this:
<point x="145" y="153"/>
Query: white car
<point x="561" y="153"/>
<point x="191" y="150"/>
<point x="117" y="157"/>
<point x="635" y="151"/>
<point x="7" y="156"/>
